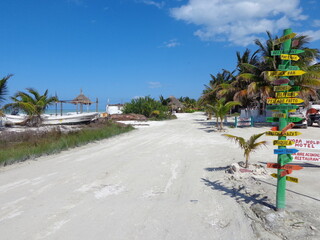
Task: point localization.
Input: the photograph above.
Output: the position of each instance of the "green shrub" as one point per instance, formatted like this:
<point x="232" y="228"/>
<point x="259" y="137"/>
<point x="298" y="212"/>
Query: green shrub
<point x="148" y="107"/>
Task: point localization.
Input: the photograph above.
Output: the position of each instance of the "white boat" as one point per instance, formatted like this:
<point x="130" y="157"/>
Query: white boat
<point x="70" y="118"/>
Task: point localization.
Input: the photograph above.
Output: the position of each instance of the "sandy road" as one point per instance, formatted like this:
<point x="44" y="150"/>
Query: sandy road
<point x="146" y="184"/>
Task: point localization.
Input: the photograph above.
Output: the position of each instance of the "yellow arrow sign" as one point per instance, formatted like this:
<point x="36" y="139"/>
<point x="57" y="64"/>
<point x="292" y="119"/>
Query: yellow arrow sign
<point x="286" y="95"/>
<point x="285" y="73"/>
<point x="284" y="38"/>
<point x="279" y="115"/>
<point x="284" y="100"/>
<point x="281" y="88"/>
<point x="283" y="142"/>
<point x="278" y="133"/>
<point x="289" y="57"/>
<point x="290" y="179"/>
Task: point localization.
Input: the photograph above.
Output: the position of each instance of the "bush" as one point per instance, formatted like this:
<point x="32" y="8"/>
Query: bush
<point x="148" y="107"/>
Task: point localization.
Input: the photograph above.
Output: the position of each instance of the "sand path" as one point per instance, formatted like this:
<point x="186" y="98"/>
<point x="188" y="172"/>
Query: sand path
<point x="146" y="184"/>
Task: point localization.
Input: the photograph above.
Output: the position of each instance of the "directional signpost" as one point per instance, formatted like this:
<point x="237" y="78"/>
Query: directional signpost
<point x="285" y="101"/>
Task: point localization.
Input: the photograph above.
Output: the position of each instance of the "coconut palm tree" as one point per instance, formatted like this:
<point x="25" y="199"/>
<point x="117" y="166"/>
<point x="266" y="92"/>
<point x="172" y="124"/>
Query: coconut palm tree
<point x="221" y="109"/>
<point x="3" y="89"/>
<point x="32" y="103"/>
<point x="248" y="146"/>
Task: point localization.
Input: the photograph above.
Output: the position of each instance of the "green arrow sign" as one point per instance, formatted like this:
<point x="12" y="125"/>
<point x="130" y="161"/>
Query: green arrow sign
<point x="296" y="51"/>
<point x="272" y="119"/>
<point x="281" y="107"/>
<point x="287" y="68"/>
<point x="294" y="119"/>
<point x="276" y="52"/>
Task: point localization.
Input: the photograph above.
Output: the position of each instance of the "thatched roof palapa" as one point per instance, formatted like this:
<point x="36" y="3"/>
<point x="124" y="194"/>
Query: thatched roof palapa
<point x="81" y="99"/>
<point x="175" y="103"/>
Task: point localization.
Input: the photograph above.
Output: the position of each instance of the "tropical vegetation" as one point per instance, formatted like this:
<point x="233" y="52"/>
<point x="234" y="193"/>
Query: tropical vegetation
<point x="32" y="103"/>
<point x="221" y="109"/>
<point x="248" y="146"/>
<point x="148" y="107"/>
<point x="20" y="146"/>
<point x="249" y="82"/>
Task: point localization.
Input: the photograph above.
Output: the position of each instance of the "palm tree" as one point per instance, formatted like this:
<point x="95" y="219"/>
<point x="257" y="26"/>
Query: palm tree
<point x="32" y="103"/>
<point x="221" y="109"/>
<point x="3" y="89"/>
<point x="248" y="146"/>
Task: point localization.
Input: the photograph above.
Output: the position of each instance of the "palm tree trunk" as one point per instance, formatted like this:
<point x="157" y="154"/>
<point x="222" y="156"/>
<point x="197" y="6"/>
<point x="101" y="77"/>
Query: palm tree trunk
<point x="247" y="161"/>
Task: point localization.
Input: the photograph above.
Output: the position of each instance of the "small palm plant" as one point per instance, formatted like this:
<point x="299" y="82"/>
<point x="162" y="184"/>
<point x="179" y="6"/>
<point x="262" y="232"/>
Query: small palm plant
<point x="249" y="145"/>
<point x="221" y="109"/>
<point x="33" y="103"/>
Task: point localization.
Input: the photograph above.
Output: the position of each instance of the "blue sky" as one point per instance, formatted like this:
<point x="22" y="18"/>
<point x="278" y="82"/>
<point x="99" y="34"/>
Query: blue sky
<point x="121" y="49"/>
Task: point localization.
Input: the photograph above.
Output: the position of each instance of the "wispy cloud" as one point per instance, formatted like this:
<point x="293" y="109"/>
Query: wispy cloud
<point x="238" y="21"/>
<point x="154" y="84"/>
<point x="171" y="43"/>
<point x="316" y="23"/>
<point x="154" y="3"/>
<point x="314" y="35"/>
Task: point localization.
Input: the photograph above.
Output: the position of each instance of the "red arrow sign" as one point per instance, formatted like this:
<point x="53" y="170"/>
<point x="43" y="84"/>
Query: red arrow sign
<point x="285" y="172"/>
<point x="286" y="128"/>
<point x="287" y="166"/>
<point x="281" y="81"/>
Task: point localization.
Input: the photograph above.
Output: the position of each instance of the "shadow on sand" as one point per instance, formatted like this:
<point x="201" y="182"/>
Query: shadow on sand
<point x="237" y="195"/>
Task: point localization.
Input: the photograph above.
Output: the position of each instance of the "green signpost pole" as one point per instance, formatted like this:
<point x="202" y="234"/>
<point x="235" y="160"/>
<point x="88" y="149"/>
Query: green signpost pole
<point x="283" y="158"/>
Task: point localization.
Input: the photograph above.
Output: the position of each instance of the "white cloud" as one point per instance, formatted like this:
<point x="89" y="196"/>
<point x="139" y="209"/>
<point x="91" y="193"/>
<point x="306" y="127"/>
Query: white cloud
<point x="238" y="21"/>
<point x="316" y="23"/>
<point x="314" y="35"/>
<point x="154" y="3"/>
<point x="154" y="84"/>
<point x="171" y="43"/>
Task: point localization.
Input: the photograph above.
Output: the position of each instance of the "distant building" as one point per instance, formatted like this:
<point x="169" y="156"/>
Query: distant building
<point x="114" y="108"/>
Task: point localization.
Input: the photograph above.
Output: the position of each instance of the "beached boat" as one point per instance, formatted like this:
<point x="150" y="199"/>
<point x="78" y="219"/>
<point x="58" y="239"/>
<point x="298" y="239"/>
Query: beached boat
<point x="70" y="118"/>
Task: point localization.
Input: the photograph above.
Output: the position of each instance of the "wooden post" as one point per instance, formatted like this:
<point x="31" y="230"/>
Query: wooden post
<point x="97" y="101"/>
<point x="61" y="108"/>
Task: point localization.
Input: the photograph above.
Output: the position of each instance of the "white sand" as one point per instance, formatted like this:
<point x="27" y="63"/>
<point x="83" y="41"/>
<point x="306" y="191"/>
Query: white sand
<point x="162" y="181"/>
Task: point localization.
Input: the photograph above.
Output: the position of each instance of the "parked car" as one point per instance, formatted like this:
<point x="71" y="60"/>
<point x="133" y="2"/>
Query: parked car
<point x="313" y="116"/>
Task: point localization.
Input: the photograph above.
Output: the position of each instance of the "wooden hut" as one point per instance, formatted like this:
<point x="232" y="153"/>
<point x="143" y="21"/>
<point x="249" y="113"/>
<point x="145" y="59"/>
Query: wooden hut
<point x="175" y="104"/>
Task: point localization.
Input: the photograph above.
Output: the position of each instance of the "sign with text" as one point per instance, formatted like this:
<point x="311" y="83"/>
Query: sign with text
<point x="287" y="166"/>
<point x="284" y="100"/>
<point x="279" y="115"/>
<point x="281" y="88"/>
<point x="285" y="151"/>
<point x="306" y="156"/>
<point x="282" y="107"/>
<point x="290" y="179"/>
<point x="279" y="133"/>
<point x="286" y="94"/>
<point x="280" y="81"/>
<point x="283" y="142"/>
<point x="286" y="73"/>
<point x="284" y="38"/>
<point x="306" y="143"/>
<point x="289" y="57"/>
